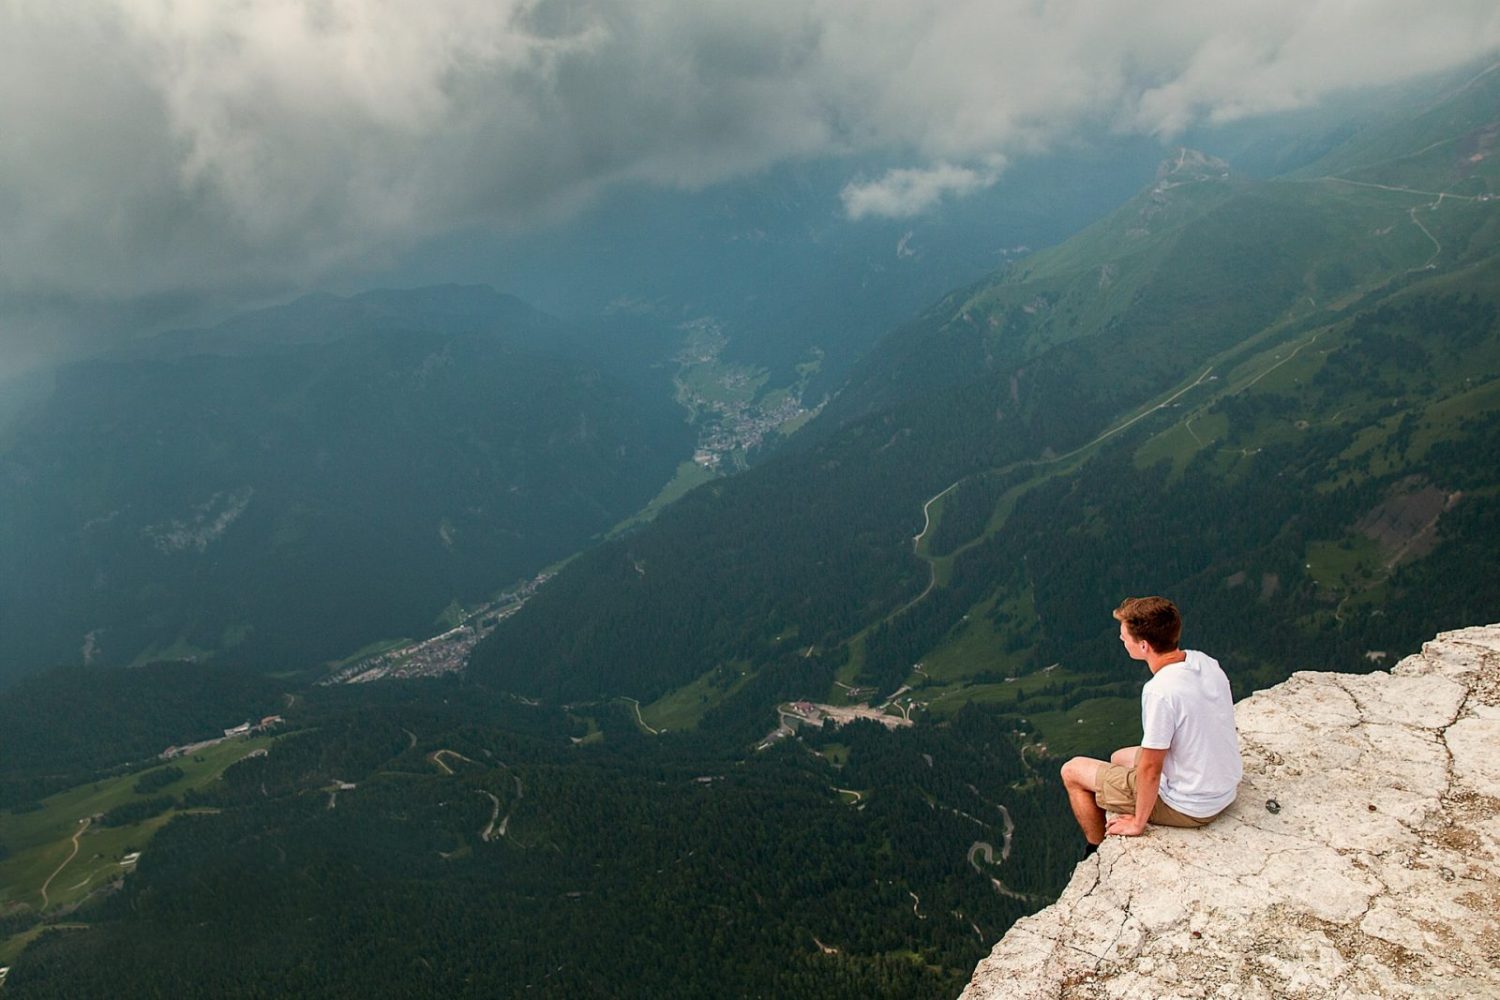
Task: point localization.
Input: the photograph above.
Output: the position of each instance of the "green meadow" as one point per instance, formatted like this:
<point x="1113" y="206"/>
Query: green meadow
<point x="1094" y="728"/>
<point x="685" y="706"/>
<point x="41" y="841"/>
<point x="689" y="475"/>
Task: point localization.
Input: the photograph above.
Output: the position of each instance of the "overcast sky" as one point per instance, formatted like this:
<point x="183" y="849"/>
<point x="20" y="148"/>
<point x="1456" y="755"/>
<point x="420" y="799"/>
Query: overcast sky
<point x="152" y="147"/>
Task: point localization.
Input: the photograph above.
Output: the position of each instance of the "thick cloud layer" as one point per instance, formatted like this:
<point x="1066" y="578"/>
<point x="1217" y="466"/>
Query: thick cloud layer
<point x="151" y="147"/>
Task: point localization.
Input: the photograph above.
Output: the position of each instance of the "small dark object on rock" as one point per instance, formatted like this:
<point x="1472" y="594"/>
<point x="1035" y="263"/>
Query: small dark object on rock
<point x="1197" y="935"/>
<point x="1371" y="807"/>
<point x="1446" y="874"/>
<point x="1272" y="806"/>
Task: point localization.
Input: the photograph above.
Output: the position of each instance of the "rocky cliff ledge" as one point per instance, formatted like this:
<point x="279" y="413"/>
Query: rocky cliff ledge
<point x="1362" y="858"/>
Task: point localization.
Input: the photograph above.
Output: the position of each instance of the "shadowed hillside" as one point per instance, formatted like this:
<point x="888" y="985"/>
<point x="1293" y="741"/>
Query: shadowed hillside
<point x="286" y="498"/>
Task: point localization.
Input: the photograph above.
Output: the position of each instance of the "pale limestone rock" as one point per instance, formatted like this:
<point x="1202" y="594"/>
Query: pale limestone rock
<point x="1378" y="878"/>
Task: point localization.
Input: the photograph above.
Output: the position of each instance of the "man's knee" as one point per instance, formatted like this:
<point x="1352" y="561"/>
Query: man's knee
<point x="1081" y="772"/>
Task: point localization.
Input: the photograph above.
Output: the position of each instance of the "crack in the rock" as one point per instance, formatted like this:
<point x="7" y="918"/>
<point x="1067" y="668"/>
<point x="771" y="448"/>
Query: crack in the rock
<point x="1090" y="890"/>
<point x="1109" y="949"/>
<point x="1368" y="710"/>
<point x="1442" y="735"/>
<point x="1082" y="951"/>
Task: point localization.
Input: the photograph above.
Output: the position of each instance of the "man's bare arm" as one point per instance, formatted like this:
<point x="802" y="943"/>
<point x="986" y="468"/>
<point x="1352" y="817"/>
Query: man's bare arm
<point x="1148" y="764"/>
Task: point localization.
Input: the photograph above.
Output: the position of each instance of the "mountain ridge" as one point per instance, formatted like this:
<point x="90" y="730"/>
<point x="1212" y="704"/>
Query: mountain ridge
<point x="1245" y="286"/>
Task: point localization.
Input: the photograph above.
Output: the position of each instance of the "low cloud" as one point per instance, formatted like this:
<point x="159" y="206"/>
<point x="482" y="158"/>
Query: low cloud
<point x="153" y="148"/>
<point x="901" y="194"/>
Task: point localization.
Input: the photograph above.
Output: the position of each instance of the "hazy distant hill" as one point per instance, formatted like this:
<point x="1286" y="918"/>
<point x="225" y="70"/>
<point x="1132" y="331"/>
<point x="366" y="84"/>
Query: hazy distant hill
<point x="293" y="484"/>
<point x="1271" y="399"/>
<point x="776" y="261"/>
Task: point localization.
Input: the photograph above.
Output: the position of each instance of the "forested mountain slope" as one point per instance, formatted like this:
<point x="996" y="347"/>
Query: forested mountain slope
<point x="288" y="498"/>
<point x="432" y="838"/>
<point x="1246" y="394"/>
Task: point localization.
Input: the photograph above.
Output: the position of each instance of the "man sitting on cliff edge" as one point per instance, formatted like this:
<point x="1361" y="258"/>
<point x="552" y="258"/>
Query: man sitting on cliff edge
<point x="1187" y="769"/>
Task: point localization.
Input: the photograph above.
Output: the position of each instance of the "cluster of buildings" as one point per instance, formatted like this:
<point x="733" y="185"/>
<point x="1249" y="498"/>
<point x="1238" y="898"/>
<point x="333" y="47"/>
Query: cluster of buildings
<point x="243" y="729"/>
<point x="816" y="714"/>
<point x="740" y="427"/>
<point x="799" y="713"/>
<point x="442" y="654"/>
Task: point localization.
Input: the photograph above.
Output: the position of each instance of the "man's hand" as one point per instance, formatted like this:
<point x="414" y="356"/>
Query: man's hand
<point x="1125" y="826"/>
<point x="1148" y="765"/>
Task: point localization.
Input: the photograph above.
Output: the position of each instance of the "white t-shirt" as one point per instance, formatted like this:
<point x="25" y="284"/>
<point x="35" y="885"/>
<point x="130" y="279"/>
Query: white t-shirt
<point x="1188" y="711"/>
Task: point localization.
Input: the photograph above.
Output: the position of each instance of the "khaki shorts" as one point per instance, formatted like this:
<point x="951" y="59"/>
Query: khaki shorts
<point x="1116" y="794"/>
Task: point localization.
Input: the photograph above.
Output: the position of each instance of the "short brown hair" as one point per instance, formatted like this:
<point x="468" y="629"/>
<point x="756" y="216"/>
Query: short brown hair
<point x="1154" y="619"/>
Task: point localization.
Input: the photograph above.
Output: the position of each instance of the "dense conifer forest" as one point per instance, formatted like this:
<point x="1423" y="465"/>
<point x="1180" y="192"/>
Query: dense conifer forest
<point x="463" y="843"/>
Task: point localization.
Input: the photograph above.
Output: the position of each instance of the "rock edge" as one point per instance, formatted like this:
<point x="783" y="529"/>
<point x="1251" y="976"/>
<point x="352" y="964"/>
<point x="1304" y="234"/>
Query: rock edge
<point x="1378" y="877"/>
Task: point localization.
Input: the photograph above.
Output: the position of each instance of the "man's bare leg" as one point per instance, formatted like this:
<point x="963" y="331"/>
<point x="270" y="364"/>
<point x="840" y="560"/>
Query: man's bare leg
<point x="1125" y="756"/>
<point x="1080" y="776"/>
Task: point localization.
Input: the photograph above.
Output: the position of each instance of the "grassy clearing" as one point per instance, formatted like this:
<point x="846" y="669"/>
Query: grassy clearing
<point x="836" y="754"/>
<point x="15" y="944"/>
<point x="684" y="707"/>
<point x="976" y="645"/>
<point x="943" y="565"/>
<point x="774" y="398"/>
<point x="1348" y="564"/>
<point x="689" y="475"/>
<point x="42" y="840"/>
<point x="974" y="648"/>
<point x="1275" y="359"/>
<point x="945" y="699"/>
<point x="1441" y="419"/>
<point x="1094" y="728"/>
<point x="850" y="670"/>
<point x="593" y="733"/>
<point x="1183" y="440"/>
<point x="368" y="650"/>
<point x="795" y="424"/>
<point x="1007" y="504"/>
<point x="723" y="384"/>
<point x="180" y="649"/>
<point x="451" y="616"/>
<point x="1367" y="447"/>
<point x="1175" y="445"/>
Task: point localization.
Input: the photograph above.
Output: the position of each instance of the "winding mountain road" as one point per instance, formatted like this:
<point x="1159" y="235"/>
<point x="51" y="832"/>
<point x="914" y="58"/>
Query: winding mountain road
<point x="981" y="847"/>
<point x="436" y="757"/>
<point x="520" y="794"/>
<point x="488" y="833"/>
<point x="47" y="884"/>
<point x="638" y="718"/>
<point x="916" y="541"/>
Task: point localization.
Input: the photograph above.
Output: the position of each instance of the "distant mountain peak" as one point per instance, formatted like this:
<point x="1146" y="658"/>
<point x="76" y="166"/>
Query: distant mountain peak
<point x="1189" y="165"/>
